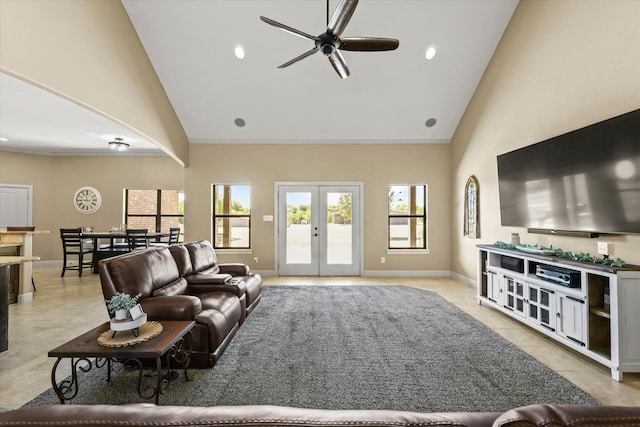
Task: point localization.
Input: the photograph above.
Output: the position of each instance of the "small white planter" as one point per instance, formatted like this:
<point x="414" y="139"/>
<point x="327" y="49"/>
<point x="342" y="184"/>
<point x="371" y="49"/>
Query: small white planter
<point x="122" y="314"/>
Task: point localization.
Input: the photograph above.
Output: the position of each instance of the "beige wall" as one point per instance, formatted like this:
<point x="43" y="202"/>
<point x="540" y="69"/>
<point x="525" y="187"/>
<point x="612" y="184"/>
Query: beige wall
<point x="560" y="66"/>
<point x="89" y="53"/>
<point x="56" y="179"/>
<point x="376" y="166"/>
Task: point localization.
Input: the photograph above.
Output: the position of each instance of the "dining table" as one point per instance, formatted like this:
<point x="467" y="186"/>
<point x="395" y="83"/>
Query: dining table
<point x="117" y="243"/>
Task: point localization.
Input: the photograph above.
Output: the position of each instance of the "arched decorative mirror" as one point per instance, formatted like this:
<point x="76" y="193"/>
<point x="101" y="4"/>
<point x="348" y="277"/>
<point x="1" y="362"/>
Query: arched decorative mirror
<point x="472" y="208"/>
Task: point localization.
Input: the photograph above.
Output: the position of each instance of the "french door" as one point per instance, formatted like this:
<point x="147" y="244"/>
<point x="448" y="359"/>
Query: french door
<point x="319" y="230"/>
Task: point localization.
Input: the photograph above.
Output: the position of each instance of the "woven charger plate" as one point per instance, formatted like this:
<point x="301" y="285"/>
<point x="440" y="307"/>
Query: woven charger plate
<point x="124" y="338"/>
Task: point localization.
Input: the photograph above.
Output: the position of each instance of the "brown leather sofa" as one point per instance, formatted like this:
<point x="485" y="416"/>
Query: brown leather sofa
<point x="165" y="294"/>
<point x="542" y="415"/>
<point x="198" y="264"/>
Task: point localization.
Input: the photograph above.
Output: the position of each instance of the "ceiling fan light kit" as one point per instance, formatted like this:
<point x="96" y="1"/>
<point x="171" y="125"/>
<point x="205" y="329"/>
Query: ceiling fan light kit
<point x="330" y="43"/>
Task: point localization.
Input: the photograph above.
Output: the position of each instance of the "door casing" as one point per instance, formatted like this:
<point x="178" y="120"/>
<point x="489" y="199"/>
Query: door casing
<point x="359" y="260"/>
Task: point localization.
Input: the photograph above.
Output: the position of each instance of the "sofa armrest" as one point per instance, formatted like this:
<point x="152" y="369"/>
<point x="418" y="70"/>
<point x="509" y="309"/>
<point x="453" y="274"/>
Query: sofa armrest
<point x="234" y="268"/>
<point x="202" y="283"/>
<point x="176" y="307"/>
<point x="537" y="415"/>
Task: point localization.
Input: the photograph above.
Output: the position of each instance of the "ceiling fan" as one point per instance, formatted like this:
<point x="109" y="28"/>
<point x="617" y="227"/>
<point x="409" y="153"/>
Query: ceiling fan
<point x="330" y="43"/>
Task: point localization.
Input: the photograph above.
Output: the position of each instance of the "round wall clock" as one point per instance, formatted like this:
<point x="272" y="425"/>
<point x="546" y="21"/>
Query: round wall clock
<point x="87" y="200"/>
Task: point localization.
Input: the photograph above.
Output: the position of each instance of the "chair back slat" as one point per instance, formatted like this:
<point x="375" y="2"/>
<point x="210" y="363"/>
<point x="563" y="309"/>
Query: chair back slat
<point x="137" y="238"/>
<point x="71" y="238"/>
<point x="174" y="235"/>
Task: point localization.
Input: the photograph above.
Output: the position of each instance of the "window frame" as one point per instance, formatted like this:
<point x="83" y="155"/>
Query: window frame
<point x="408" y="216"/>
<point x="229" y="216"/>
<point x="158" y="215"/>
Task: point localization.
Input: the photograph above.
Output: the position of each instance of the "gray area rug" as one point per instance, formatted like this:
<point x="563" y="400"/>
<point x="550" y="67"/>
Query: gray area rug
<point x="355" y="347"/>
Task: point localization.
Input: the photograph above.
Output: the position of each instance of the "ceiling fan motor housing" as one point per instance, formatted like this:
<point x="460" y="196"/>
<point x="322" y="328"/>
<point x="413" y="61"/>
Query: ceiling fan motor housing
<point x="327" y="44"/>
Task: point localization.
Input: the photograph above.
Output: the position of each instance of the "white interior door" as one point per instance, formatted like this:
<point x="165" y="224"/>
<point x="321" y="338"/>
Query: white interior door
<point x="15" y="205"/>
<point x="319" y="230"/>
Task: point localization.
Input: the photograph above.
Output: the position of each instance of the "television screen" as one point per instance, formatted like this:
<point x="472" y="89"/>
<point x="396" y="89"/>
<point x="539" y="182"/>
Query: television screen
<point x="587" y="180"/>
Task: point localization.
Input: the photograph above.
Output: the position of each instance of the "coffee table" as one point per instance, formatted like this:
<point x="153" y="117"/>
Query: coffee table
<point x="170" y="345"/>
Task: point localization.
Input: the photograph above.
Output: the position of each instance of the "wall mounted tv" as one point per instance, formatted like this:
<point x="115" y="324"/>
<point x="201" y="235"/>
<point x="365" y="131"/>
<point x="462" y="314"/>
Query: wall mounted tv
<point x="584" y="182"/>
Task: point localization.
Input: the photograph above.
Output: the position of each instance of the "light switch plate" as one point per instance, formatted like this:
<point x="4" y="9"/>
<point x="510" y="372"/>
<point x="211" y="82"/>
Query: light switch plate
<point x="603" y="248"/>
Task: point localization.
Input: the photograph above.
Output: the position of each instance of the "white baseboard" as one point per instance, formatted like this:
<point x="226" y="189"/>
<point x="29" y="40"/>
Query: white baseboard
<point x="465" y="280"/>
<point x="49" y="263"/>
<point x="406" y="273"/>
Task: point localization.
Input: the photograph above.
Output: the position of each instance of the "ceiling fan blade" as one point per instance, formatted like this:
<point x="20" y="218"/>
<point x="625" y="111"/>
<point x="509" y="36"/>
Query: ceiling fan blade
<point x="371" y="44"/>
<point x="341" y="17"/>
<point x="288" y="28"/>
<point x="299" y="58"/>
<point x="339" y="64"/>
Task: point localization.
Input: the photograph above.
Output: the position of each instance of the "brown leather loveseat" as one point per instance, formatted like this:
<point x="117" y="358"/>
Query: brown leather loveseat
<point x="542" y="415"/>
<point x="217" y="305"/>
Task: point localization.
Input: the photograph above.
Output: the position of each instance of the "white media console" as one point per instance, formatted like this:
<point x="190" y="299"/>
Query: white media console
<point x="591" y="308"/>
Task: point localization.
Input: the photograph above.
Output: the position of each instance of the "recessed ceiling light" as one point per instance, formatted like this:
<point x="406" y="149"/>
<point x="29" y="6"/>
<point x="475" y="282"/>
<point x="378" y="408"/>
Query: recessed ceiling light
<point x="239" y="52"/>
<point x="430" y="122"/>
<point x="431" y="52"/>
<point x="3" y="139"/>
<point x="239" y="122"/>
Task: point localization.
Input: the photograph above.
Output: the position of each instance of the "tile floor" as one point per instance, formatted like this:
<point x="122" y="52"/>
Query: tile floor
<point x="65" y="307"/>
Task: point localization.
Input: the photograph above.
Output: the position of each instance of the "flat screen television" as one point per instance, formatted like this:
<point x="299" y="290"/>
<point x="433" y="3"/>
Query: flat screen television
<point x="587" y="180"/>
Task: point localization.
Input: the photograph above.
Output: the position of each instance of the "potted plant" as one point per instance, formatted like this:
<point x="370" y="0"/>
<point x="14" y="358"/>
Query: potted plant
<point x="120" y="304"/>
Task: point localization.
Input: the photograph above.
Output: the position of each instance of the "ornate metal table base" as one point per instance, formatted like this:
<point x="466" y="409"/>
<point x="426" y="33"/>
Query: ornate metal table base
<point x="67" y="389"/>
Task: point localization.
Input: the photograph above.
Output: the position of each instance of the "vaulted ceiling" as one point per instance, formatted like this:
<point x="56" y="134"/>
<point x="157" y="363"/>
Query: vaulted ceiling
<point x="391" y="97"/>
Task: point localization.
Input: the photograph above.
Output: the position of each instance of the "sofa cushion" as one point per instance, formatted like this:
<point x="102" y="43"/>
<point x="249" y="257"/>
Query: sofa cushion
<point x="216" y="325"/>
<point x="254" y="287"/>
<point x="226" y="303"/>
<point x="142" y="272"/>
<point x="202" y="257"/>
<point x="175" y="288"/>
<point x="183" y="259"/>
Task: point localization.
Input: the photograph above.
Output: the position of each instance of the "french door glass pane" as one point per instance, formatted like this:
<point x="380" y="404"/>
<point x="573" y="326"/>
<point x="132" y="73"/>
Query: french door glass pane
<point x="339" y="249"/>
<point x="298" y="228"/>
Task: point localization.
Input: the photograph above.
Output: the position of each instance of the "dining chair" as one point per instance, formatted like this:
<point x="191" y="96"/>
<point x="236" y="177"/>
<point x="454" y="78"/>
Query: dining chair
<point x="174" y="235"/>
<point x="173" y="238"/>
<point x="74" y="245"/>
<point x="137" y="238"/>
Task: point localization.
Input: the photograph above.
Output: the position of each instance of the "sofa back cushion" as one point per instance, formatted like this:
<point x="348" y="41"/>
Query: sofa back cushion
<point x="178" y="287"/>
<point x="140" y="272"/>
<point x="183" y="259"/>
<point x="202" y="257"/>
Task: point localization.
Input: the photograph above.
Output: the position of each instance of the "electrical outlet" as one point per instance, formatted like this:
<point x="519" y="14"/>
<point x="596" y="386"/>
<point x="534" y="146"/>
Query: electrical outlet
<point x="382" y="260"/>
<point x="255" y="259"/>
<point x="603" y="248"/>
